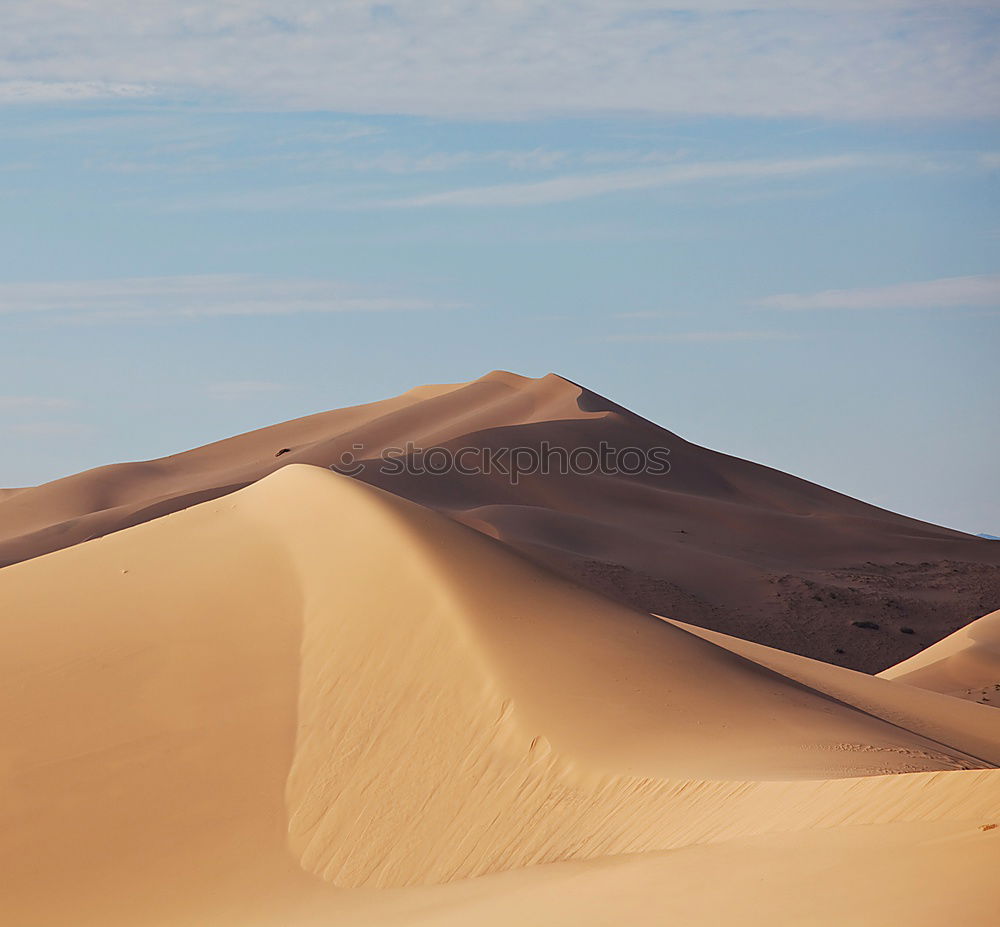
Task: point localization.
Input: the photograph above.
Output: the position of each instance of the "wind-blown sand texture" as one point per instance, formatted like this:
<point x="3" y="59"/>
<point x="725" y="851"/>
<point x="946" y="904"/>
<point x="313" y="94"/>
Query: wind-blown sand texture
<point x="313" y="702"/>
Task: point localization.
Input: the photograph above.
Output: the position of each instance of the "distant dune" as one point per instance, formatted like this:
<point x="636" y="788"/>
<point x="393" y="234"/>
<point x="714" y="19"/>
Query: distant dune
<point x="717" y="542"/>
<point x="314" y="702"/>
<point x="965" y="664"/>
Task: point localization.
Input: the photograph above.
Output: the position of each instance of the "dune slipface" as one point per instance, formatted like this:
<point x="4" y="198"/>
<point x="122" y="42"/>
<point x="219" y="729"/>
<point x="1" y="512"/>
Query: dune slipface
<point x="717" y="542"/>
<point x="312" y="701"/>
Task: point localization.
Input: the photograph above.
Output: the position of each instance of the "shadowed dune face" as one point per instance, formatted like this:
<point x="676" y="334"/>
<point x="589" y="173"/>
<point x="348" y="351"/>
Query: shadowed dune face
<point x="717" y="542"/>
<point x="215" y="716"/>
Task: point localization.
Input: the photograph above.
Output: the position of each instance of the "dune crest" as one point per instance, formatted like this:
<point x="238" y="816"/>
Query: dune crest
<point x="513" y="777"/>
<point x="965" y="664"/>
<point x="335" y="685"/>
<point x="717" y="542"/>
<point x="972" y="728"/>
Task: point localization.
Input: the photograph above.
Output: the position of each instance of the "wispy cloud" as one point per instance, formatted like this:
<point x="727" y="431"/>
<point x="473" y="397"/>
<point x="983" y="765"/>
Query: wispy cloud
<point x="34" y="403"/>
<point x="582" y="186"/>
<point x="708" y="337"/>
<point x="68" y="91"/>
<point x="240" y="390"/>
<point x="946" y="292"/>
<point x="318" y="173"/>
<point x="562" y="188"/>
<point x="198" y="296"/>
<point x="650" y="314"/>
<point x="50" y="429"/>
<point x="403" y="162"/>
<point x="485" y="59"/>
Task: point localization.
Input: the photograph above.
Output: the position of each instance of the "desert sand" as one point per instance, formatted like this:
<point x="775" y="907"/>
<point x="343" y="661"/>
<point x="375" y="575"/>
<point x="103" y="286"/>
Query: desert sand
<point x="718" y="542"/>
<point x="965" y="664"/>
<point x="269" y="694"/>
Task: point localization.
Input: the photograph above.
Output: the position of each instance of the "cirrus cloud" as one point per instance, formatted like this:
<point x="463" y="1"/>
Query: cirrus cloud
<point x="582" y="186"/>
<point x="68" y="91"/>
<point x="947" y="292"/>
<point x="197" y="296"/>
<point x="839" y="59"/>
<point x="34" y="403"/>
<point x="703" y="337"/>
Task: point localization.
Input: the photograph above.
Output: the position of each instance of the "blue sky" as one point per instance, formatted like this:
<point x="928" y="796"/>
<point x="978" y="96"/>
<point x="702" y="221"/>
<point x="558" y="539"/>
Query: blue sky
<point x="772" y="229"/>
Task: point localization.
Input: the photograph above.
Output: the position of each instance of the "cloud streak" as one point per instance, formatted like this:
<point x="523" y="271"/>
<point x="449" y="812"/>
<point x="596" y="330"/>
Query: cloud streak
<point x="50" y="429"/>
<point x="583" y="186"/>
<point x="706" y="337"/>
<point x="559" y="189"/>
<point x="196" y="297"/>
<point x="946" y="292"/>
<point x="34" y="403"/>
<point x="835" y="59"/>
<point x="55" y="91"/>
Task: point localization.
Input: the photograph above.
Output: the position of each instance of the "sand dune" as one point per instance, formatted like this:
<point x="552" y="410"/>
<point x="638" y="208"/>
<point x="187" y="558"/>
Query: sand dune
<point x="965" y="664"/>
<point x="970" y="727"/>
<point x="297" y="703"/>
<point x="887" y="874"/>
<point x="718" y="542"/>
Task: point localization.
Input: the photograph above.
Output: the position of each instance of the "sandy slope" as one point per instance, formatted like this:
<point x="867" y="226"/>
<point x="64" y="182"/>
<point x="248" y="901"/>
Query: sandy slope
<point x="965" y="664"/>
<point x="212" y="717"/>
<point x="873" y="875"/>
<point x="718" y="542"/>
<point x="973" y="728"/>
